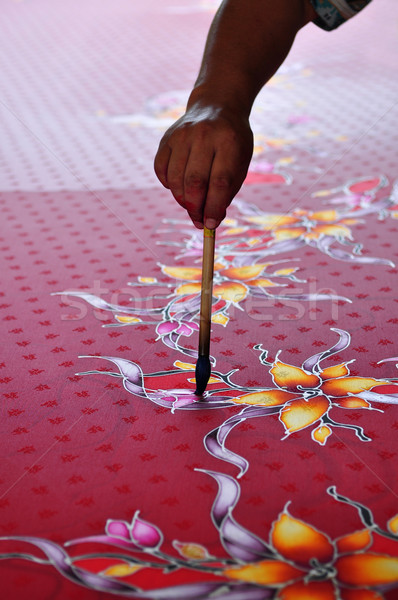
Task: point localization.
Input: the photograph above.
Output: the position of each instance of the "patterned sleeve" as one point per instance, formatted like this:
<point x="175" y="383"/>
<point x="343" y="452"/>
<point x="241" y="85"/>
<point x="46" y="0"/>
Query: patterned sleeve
<point x="332" y="13"/>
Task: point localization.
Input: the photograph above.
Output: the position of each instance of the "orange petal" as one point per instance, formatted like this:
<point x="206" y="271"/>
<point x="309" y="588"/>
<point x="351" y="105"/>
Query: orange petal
<point x="351" y="402"/>
<point x="360" y="595"/>
<point x="234" y="230"/>
<point x="125" y="319"/>
<point x="287" y="271"/>
<point x="393" y="525"/>
<point x="324" y="215"/>
<point x="243" y="273"/>
<point x="321" y="434"/>
<point x="367" y="569"/>
<point x="147" y="279"/>
<point x="121" y="570"/>
<point x="349" y="385"/>
<point x="188" y="273"/>
<point x="333" y="230"/>
<point x="220" y="319"/>
<point x="191" y="551"/>
<point x="265" y="398"/>
<point x="300" y="542"/>
<point x="271" y="220"/>
<point x="292" y="233"/>
<point x="218" y="266"/>
<point x="230" y="291"/>
<point x="287" y="376"/>
<point x="336" y="371"/>
<point x="211" y="380"/>
<point x="263" y="282"/>
<point x="185" y="366"/>
<point x="188" y="288"/>
<point x="298" y="414"/>
<point x="360" y="540"/>
<point x="266" y="572"/>
<point x="314" y="590"/>
<point x="349" y="221"/>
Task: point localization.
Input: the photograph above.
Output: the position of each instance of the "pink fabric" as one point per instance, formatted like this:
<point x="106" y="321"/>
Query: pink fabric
<point x="105" y="449"/>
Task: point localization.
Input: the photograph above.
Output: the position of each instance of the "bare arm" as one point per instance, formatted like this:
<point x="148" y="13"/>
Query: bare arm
<point x="203" y="158"/>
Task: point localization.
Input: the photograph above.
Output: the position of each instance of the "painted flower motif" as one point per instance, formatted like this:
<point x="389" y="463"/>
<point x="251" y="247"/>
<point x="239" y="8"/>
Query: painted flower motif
<point x="179" y="327"/>
<point x="140" y="532"/>
<point x="309" y="565"/>
<point x="169" y="395"/>
<point x="137" y="535"/>
<point x="298" y="562"/>
<point x="304" y="224"/>
<point x="306" y="394"/>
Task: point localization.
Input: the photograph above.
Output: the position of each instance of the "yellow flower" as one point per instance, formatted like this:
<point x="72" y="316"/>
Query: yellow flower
<point x="310" y="566"/>
<point x="306" y="398"/>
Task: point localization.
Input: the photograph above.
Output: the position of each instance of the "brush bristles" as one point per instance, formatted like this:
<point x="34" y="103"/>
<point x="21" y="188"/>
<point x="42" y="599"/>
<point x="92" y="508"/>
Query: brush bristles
<point x="202" y="374"/>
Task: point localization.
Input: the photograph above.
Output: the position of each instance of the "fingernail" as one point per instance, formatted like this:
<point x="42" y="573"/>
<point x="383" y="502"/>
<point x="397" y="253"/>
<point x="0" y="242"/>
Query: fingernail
<point x="198" y="224"/>
<point x="211" y="223"/>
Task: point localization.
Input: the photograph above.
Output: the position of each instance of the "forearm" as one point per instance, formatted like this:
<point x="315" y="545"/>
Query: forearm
<point x="247" y="42"/>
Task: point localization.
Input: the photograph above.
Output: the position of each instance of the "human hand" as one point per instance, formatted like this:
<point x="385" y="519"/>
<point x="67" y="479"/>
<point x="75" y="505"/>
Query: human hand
<point x="203" y="160"/>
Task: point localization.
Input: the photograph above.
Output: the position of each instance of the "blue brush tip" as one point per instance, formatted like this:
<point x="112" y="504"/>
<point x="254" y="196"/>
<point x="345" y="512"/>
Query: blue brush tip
<point x="202" y="374"/>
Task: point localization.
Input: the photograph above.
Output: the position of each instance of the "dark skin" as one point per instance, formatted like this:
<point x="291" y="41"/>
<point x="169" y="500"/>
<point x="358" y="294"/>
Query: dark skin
<point x="204" y="157"/>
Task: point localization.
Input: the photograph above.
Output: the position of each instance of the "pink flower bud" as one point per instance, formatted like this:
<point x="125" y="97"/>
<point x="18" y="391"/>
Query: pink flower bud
<point x="145" y="534"/>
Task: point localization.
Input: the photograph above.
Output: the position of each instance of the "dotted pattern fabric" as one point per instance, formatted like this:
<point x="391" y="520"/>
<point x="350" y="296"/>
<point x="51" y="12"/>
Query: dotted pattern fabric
<point x="86" y="90"/>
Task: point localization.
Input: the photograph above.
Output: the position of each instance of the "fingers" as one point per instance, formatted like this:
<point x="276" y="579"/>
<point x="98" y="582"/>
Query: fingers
<point x="196" y="181"/>
<point x="204" y="166"/>
<point x="161" y="163"/>
<point x="227" y="175"/>
<point x="176" y="169"/>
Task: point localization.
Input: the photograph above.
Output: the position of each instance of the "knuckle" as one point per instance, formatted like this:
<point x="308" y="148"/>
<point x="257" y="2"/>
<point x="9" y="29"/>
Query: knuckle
<point x="222" y="182"/>
<point x="174" y="179"/>
<point x="195" y="182"/>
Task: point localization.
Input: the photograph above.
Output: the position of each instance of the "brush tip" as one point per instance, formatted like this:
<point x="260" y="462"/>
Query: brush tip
<point x="202" y="374"/>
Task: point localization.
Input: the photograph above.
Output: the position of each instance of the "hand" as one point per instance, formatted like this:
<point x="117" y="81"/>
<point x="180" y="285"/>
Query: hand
<point x="203" y="160"/>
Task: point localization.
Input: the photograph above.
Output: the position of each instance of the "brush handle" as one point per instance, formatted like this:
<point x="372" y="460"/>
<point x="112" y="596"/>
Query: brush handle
<point x="209" y="236"/>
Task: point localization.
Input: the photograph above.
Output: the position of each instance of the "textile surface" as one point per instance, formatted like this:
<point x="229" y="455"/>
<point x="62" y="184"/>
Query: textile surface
<point x="116" y="481"/>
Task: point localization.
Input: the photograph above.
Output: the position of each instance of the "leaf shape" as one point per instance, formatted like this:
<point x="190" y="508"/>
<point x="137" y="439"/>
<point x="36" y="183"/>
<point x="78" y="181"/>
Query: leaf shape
<point x="188" y="288"/>
<point x="324" y="215"/>
<point x="191" y="551"/>
<point x="186" y="273"/>
<point x="220" y="319"/>
<point x="359" y="540"/>
<point x="321" y="434"/>
<point x="335" y="371"/>
<point x="360" y="595"/>
<point x="125" y="319"/>
<point x="393" y="525"/>
<point x="314" y="590"/>
<point x="367" y="569"/>
<point x="230" y="291"/>
<point x="264" y="282"/>
<point x="351" y="402"/>
<point x="291" y="233"/>
<point x="121" y="570"/>
<point x="266" y="572"/>
<point x="272" y="220"/>
<point x="185" y="366"/>
<point x="243" y="273"/>
<point x="265" y="398"/>
<point x="299" y="414"/>
<point x="349" y="385"/>
<point x="299" y="542"/>
<point x="290" y="377"/>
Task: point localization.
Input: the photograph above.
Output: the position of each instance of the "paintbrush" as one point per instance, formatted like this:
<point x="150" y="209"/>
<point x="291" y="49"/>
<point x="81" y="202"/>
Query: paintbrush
<point x="203" y="367"/>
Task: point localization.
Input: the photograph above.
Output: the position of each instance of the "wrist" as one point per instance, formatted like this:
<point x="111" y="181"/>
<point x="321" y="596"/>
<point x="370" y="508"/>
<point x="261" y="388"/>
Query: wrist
<point x="221" y="99"/>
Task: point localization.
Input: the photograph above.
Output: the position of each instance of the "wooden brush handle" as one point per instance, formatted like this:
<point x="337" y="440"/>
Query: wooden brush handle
<point x="209" y="236"/>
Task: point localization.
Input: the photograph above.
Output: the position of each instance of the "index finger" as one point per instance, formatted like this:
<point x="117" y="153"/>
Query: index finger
<point x="225" y="181"/>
